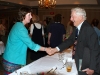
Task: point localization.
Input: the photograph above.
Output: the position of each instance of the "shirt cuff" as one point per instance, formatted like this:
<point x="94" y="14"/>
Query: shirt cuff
<point x="37" y="48"/>
<point x="58" y="49"/>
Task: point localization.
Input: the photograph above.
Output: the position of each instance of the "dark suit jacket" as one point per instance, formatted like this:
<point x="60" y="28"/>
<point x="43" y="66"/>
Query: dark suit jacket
<point x="87" y="38"/>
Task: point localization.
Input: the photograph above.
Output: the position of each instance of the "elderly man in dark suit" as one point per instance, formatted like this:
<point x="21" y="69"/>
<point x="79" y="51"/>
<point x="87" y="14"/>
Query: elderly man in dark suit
<point x="87" y="47"/>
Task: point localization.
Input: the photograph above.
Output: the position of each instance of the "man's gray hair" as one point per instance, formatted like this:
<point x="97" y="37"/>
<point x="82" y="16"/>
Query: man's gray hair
<point x="79" y="11"/>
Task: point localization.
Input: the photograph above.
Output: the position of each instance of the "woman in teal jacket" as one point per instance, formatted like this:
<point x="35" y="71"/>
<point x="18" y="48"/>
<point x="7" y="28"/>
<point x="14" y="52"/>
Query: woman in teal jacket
<point x="17" y="43"/>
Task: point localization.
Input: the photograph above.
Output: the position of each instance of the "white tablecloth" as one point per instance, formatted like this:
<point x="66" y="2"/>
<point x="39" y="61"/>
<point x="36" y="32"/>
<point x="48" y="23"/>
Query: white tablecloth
<point x="1" y="47"/>
<point x="46" y="63"/>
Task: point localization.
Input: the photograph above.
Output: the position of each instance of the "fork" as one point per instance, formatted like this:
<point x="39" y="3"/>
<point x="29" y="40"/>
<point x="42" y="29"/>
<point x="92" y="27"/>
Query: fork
<point x="55" y="69"/>
<point x="49" y="71"/>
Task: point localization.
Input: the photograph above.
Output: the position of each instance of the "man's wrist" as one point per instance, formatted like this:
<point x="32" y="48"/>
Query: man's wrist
<point x="57" y="48"/>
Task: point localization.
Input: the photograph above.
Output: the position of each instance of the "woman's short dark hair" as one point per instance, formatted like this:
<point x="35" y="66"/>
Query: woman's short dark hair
<point x="22" y="12"/>
<point x="57" y="18"/>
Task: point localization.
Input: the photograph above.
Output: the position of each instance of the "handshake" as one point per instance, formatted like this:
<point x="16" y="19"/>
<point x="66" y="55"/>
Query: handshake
<point x="51" y="51"/>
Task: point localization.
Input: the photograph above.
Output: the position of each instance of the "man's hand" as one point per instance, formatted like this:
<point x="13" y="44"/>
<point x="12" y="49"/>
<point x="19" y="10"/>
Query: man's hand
<point x="48" y="50"/>
<point x="88" y="71"/>
<point x="53" y="51"/>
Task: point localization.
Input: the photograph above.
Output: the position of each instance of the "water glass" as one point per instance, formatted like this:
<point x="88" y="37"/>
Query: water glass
<point x="61" y="57"/>
<point x="69" y="66"/>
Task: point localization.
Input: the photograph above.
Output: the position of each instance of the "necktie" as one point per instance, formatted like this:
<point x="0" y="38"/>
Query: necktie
<point x="75" y="43"/>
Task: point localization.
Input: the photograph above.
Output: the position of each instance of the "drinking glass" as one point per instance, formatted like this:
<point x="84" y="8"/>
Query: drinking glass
<point x="61" y="57"/>
<point x="68" y="66"/>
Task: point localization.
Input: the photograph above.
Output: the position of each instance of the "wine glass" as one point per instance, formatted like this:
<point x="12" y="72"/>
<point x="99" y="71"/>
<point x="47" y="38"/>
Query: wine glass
<point x="61" y="57"/>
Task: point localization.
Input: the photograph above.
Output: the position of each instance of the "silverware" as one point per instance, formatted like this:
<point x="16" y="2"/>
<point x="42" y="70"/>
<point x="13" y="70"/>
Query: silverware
<point x="63" y="66"/>
<point x="16" y="72"/>
<point x="54" y="69"/>
<point x="49" y="71"/>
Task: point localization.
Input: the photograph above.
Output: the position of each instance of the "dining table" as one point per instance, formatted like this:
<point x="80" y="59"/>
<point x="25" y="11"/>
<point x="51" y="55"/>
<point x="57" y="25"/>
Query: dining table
<point x="48" y="64"/>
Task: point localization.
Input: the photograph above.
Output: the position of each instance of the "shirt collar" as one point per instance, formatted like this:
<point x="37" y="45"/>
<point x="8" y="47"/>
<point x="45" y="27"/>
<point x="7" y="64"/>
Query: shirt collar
<point x="79" y="26"/>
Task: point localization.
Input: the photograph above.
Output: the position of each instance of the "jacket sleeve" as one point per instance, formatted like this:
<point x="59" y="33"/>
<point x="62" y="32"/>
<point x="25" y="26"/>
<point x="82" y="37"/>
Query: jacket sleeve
<point x="68" y="42"/>
<point x="93" y="45"/>
<point x="25" y="38"/>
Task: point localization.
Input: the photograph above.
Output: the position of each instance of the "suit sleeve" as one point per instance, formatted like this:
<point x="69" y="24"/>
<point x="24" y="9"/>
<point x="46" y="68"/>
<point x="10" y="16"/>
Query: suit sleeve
<point x="94" y="48"/>
<point x="68" y="42"/>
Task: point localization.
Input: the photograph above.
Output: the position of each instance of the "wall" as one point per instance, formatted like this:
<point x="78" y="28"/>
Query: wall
<point x="8" y="17"/>
<point x="91" y="14"/>
<point x="59" y="2"/>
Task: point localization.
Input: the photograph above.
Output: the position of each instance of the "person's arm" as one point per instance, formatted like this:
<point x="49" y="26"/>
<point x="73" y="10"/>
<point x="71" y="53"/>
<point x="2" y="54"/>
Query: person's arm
<point x="54" y="50"/>
<point x="31" y="30"/>
<point x="64" y="33"/>
<point x="42" y="31"/>
<point x="47" y="50"/>
<point x="92" y="43"/>
<point x="63" y="37"/>
<point x="49" y="36"/>
<point x="24" y="37"/>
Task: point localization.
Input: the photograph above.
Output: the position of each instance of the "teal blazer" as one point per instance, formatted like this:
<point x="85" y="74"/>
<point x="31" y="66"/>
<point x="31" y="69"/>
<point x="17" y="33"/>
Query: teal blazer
<point x="17" y="43"/>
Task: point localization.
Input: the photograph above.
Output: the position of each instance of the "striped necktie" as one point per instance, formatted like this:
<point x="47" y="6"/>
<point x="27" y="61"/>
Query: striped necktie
<point x="75" y="43"/>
